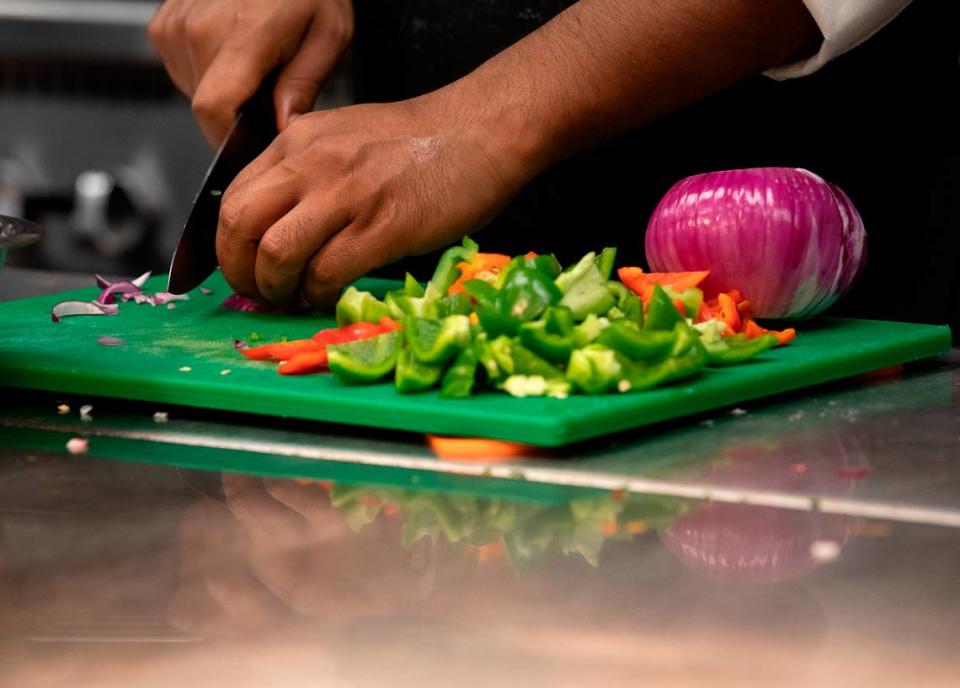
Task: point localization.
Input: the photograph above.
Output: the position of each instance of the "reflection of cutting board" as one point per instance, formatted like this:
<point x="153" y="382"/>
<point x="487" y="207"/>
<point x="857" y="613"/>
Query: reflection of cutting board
<point x="65" y="357"/>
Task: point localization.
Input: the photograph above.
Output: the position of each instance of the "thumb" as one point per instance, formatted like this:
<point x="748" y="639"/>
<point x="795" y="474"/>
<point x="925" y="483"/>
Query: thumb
<point x="300" y="81"/>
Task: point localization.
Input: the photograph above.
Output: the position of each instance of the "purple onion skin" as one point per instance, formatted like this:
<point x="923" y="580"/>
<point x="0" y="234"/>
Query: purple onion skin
<point x="790" y="242"/>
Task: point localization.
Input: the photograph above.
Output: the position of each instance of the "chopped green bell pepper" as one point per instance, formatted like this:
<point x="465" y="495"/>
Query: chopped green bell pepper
<point x="526" y="362"/>
<point x="595" y="369"/>
<point x="447" y="272"/>
<point x="691" y="299"/>
<point x="585" y="289"/>
<point x="634" y="343"/>
<point x="437" y="341"/>
<point x="555" y="348"/>
<point x="672" y="368"/>
<point x="360" y="306"/>
<point x="662" y="313"/>
<point x="411" y="287"/>
<point x="548" y="265"/>
<point x="501" y="351"/>
<point x="536" y="386"/>
<point x="454" y="304"/>
<point x="365" y="360"/>
<point x="628" y="306"/>
<point x="736" y="349"/>
<point x="415" y="376"/>
<point x="495" y="323"/>
<point x="526" y="294"/>
<point x="588" y="331"/>
<point x="484" y="294"/>
<point x="460" y="377"/>
<point x="559" y="320"/>
<point x="606" y="260"/>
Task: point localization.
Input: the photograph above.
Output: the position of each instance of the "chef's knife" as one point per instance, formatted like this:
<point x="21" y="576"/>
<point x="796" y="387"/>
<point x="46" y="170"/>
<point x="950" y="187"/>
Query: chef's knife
<point x="195" y="258"/>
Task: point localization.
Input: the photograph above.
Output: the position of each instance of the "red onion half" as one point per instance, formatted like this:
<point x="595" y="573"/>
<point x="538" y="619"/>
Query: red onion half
<point x="789" y="241"/>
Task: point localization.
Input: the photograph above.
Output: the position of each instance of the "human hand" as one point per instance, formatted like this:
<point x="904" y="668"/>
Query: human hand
<point x="218" y="51"/>
<point x="342" y="192"/>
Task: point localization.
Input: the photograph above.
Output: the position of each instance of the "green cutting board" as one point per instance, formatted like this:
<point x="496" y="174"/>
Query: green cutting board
<point x="186" y="356"/>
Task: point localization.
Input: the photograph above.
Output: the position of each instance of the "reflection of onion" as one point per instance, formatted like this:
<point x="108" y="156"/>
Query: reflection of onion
<point x="738" y="543"/>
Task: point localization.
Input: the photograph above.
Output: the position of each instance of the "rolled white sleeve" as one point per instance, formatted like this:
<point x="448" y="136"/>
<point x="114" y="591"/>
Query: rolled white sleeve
<point x="845" y="24"/>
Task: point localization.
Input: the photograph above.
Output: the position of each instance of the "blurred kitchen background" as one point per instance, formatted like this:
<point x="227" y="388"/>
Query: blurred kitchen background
<point x="96" y="144"/>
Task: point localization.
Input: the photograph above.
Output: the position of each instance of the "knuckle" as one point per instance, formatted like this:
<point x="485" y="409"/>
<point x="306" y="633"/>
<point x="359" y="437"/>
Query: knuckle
<point x="231" y="211"/>
<point x="196" y="29"/>
<point x="155" y="29"/>
<point x="274" y="251"/>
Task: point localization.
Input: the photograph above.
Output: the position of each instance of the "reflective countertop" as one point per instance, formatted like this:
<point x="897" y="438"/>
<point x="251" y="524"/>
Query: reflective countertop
<point x="811" y="540"/>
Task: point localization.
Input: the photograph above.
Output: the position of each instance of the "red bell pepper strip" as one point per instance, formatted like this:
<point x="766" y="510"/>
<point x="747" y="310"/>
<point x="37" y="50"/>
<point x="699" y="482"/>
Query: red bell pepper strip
<point x="729" y="314"/>
<point x="753" y="330"/>
<point x="300" y="364"/>
<point x="642" y="283"/>
<point x="281" y="351"/>
<point x="310" y="355"/>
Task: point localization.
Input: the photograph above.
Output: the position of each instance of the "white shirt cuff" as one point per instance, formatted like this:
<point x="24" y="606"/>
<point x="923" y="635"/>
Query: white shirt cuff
<point x="845" y="24"/>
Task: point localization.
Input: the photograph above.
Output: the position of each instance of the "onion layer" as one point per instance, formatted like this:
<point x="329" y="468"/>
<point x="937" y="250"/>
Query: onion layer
<point x="789" y="241"/>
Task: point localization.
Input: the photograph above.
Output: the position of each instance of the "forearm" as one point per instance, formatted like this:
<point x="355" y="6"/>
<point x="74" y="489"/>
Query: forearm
<point x="603" y="67"/>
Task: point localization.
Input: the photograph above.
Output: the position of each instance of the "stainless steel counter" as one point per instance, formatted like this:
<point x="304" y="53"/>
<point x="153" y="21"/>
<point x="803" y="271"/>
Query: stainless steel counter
<point x="813" y="540"/>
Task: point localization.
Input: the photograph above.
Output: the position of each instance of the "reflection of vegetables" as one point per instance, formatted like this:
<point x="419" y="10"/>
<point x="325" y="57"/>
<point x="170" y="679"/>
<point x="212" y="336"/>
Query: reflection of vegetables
<point x="531" y="533"/>
<point x="809" y="238"/>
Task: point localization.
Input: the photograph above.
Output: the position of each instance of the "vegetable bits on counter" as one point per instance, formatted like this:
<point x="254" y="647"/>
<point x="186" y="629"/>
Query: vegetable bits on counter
<point x="526" y="326"/>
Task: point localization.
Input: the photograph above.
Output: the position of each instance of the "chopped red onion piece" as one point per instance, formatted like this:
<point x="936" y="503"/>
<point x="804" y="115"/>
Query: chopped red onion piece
<point x="238" y="302"/>
<point x="206" y="291"/>
<point x="110" y="341"/>
<point x="67" y="308"/>
<point x="162" y="297"/>
<point x="123" y="287"/>
<point x="240" y="345"/>
<point x="142" y="279"/>
<point x="78" y="445"/>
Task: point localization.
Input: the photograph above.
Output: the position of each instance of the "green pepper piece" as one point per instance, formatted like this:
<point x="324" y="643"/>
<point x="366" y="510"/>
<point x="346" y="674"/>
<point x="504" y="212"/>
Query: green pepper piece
<point x="525" y="362"/>
<point x="487" y="359"/>
<point x="481" y="292"/>
<point x="459" y="379"/>
<point x="526" y="294"/>
<point x="411" y="287"/>
<point x="437" y="341"/>
<point x="454" y="304"/>
<point x="662" y="313"/>
<point x="501" y="351"/>
<point x="515" y="263"/>
<point x="548" y="265"/>
<point x="415" y="376"/>
<point x="495" y="323"/>
<point x="426" y="306"/>
<point x="365" y="360"/>
<point x="585" y="289"/>
<point x="559" y="320"/>
<point x="672" y="368"/>
<point x="447" y="272"/>
<point x="737" y="349"/>
<point x="536" y="386"/>
<point x="588" y="331"/>
<point x="691" y="299"/>
<point x="634" y="343"/>
<point x="606" y="260"/>
<point x="628" y="307"/>
<point x="360" y="306"/>
<point x="555" y="348"/>
<point x="595" y="369"/>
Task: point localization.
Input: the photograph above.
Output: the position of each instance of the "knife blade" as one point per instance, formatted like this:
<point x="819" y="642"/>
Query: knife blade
<point x="195" y="257"/>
